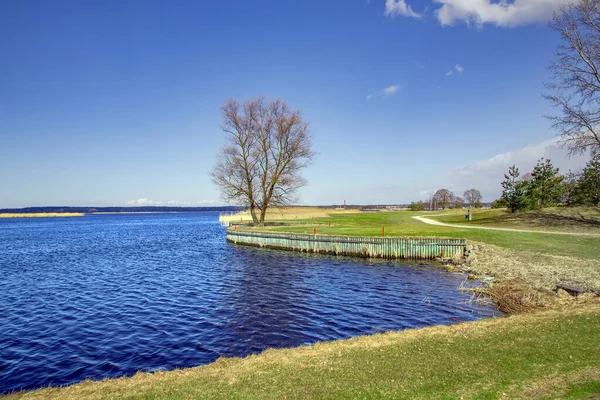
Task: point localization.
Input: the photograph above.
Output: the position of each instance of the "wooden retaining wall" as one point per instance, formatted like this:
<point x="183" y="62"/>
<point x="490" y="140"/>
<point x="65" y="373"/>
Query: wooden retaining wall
<point x="394" y="247"/>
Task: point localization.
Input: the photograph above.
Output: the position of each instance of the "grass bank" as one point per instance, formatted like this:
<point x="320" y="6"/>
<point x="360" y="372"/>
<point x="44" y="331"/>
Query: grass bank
<point x="550" y="355"/>
<point x="39" y="215"/>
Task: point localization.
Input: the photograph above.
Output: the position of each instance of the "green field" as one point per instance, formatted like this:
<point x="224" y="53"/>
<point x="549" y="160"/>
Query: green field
<point x="560" y="219"/>
<point x="549" y="355"/>
<point x="401" y="223"/>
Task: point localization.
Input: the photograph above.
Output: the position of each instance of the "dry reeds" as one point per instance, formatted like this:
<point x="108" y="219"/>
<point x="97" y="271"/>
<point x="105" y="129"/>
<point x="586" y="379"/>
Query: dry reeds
<point x="39" y="215"/>
<point x="516" y="297"/>
<point x="542" y="271"/>
<point x="289" y="213"/>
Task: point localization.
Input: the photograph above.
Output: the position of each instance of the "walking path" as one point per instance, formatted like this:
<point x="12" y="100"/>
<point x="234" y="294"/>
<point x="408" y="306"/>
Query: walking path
<point x="430" y="221"/>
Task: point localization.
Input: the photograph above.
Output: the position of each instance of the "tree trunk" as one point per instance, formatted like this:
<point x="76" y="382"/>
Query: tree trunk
<point x="253" y="213"/>
<point x="263" y="213"/>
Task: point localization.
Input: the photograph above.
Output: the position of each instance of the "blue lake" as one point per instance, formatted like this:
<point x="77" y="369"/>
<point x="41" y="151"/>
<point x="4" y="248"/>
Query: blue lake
<point x="109" y="295"/>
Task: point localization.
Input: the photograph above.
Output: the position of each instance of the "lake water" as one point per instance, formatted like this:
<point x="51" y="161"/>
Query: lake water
<point x="108" y="295"/>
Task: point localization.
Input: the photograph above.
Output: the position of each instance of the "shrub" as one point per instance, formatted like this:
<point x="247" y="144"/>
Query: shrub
<point x="418" y="206"/>
<point x="499" y="203"/>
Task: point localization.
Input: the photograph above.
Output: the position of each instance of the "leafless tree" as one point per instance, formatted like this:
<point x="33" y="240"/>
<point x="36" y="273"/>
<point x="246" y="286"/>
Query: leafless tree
<point x="443" y="198"/>
<point x="430" y="200"/>
<point x="267" y="146"/>
<point x="575" y="88"/>
<point x="458" y="202"/>
<point x="473" y="196"/>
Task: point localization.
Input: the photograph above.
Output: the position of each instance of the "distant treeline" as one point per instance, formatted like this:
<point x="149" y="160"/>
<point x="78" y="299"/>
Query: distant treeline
<point x="91" y="210"/>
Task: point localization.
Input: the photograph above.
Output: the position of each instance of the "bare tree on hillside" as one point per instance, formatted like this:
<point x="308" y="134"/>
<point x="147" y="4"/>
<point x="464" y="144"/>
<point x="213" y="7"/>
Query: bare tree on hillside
<point x="267" y="146"/>
<point x="473" y="196"/>
<point x="575" y="89"/>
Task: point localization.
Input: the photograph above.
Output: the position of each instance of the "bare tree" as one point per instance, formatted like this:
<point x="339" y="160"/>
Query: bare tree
<point x="267" y="146"/>
<point x="575" y="89"/>
<point x="443" y="198"/>
<point x="458" y="202"/>
<point x="473" y="196"/>
<point x="430" y="200"/>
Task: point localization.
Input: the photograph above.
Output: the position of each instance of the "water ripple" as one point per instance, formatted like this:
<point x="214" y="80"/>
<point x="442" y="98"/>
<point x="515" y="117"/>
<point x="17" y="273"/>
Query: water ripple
<point x="107" y="296"/>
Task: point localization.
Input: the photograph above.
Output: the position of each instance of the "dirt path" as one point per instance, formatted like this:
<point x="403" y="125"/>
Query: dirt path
<point x="430" y="221"/>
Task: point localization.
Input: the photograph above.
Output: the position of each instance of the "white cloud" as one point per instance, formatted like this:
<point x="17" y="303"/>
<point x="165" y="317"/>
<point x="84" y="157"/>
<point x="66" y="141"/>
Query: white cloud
<point x="144" y="201"/>
<point x="207" y="203"/>
<point x="457" y="68"/>
<point x="486" y="175"/>
<point x="388" y="91"/>
<point x="399" y="8"/>
<point x="500" y="13"/>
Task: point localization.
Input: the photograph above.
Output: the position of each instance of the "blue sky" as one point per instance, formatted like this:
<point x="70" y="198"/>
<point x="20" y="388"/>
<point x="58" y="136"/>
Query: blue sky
<point x="117" y="102"/>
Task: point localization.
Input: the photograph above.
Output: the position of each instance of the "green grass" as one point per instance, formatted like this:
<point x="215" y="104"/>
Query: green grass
<point x="402" y="224"/>
<point x="547" y="355"/>
<point x="559" y="219"/>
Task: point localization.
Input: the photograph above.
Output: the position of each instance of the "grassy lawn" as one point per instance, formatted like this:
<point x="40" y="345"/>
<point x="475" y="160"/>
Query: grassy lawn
<point x="560" y="219"/>
<point x="549" y="355"/>
<point x="401" y="223"/>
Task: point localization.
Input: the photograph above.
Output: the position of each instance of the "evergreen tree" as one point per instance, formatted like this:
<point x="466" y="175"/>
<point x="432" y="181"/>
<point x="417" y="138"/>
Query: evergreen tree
<point x="513" y="190"/>
<point x="499" y="203"/>
<point x="545" y="189"/>
<point x="589" y="184"/>
<point x="570" y="189"/>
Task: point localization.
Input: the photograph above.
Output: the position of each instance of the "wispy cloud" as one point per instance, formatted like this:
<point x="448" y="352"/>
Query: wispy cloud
<point x="499" y="13"/>
<point x="399" y="8"/>
<point x="144" y="201"/>
<point x="388" y="91"/>
<point x="207" y="203"/>
<point x="457" y="68"/>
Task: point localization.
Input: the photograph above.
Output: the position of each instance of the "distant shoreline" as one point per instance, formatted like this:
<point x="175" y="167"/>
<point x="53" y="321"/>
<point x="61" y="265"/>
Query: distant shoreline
<point x="113" y="209"/>
<point x="39" y="215"/>
<point x="140" y="212"/>
<point x="81" y="214"/>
